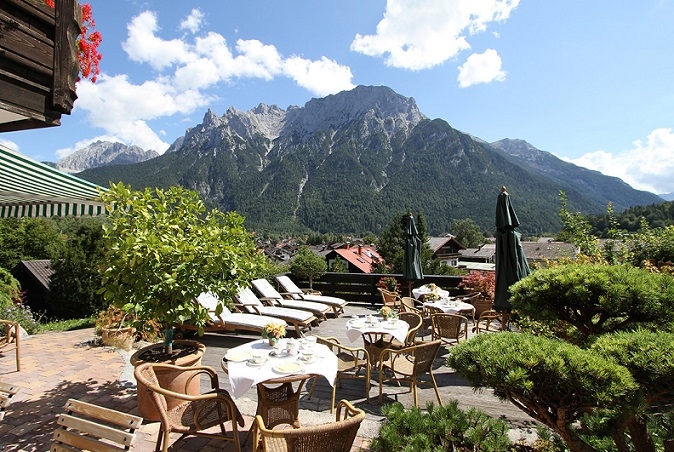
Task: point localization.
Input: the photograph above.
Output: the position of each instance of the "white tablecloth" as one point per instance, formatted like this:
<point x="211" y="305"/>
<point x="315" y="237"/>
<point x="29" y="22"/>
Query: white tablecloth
<point x="356" y="327"/>
<point x="424" y="290"/>
<point x="451" y="306"/>
<point x="243" y="374"/>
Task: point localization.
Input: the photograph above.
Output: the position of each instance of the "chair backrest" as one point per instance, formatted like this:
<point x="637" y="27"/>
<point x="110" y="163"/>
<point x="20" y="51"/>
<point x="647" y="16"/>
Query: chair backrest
<point x="424" y="356"/>
<point x="85" y="426"/>
<point x="415" y="321"/>
<point x="210" y="301"/>
<point x="408" y="304"/>
<point x="7" y="391"/>
<point x="247" y="297"/>
<point x="336" y="436"/>
<point x="11" y="340"/>
<point x="484" y="322"/>
<point x="265" y="288"/>
<point x="288" y="285"/>
<point x="449" y="325"/>
<point x="391" y="299"/>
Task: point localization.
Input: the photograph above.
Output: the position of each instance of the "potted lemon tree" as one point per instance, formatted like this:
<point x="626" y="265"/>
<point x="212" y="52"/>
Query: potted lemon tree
<point x="162" y="250"/>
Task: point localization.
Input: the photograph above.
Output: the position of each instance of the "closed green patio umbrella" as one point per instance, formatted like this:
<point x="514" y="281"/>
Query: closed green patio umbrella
<point x="511" y="263"/>
<point x="412" y="258"/>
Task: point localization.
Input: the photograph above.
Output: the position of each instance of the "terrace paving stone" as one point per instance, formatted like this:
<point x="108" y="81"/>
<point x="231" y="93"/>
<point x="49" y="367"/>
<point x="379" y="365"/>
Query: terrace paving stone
<point x="58" y="366"/>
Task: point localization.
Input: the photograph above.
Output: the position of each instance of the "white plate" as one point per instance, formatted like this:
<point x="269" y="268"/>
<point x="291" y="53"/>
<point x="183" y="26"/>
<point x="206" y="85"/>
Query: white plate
<point x="391" y="326"/>
<point x="290" y="367"/>
<point x="252" y="363"/>
<point x="356" y="324"/>
<point x="311" y="361"/>
<point x="237" y="355"/>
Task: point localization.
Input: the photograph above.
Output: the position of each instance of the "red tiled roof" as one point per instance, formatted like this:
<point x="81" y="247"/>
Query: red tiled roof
<point x="362" y="259"/>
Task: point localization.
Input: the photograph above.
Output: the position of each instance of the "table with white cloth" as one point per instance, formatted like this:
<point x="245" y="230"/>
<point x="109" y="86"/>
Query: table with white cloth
<point x="419" y="292"/>
<point x="279" y="404"/>
<point x="451" y="306"/>
<point x="377" y="334"/>
<point x="244" y="374"/>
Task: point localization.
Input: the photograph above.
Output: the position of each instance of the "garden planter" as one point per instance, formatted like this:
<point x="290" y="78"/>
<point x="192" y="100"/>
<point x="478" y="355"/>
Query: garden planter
<point x="118" y="337"/>
<point x="482" y="304"/>
<point x="186" y="353"/>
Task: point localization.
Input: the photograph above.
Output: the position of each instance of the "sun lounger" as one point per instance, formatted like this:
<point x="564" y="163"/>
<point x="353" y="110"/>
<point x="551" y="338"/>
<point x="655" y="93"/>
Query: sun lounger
<point x="268" y="292"/>
<point x="289" y="287"/>
<point x="228" y="321"/>
<point x="301" y="320"/>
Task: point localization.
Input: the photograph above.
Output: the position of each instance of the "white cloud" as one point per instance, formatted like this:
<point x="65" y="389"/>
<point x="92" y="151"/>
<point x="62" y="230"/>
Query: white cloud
<point x="647" y="166"/>
<point x="10" y="145"/>
<point x="420" y="34"/>
<point x="320" y="77"/>
<point x="123" y="108"/>
<point x="143" y="46"/>
<point x="481" y="68"/>
<point x="193" y="22"/>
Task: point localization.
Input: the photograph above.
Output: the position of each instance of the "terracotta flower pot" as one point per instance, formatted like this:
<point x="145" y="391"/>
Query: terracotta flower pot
<point x="118" y="337"/>
<point x="186" y="353"/>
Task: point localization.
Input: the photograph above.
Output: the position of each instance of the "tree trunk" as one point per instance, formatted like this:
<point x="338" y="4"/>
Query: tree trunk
<point x="571" y="439"/>
<point x="641" y="439"/>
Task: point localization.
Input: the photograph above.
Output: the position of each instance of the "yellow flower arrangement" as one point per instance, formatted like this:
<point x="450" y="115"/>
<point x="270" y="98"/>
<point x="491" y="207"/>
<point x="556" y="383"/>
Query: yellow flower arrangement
<point x="274" y="330"/>
<point x="388" y="312"/>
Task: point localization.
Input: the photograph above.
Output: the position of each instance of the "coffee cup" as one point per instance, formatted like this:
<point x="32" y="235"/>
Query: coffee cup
<point x="307" y="355"/>
<point x="258" y="357"/>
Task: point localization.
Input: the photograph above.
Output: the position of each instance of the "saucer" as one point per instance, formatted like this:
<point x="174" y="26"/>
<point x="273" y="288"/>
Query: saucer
<point x="252" y="363"/>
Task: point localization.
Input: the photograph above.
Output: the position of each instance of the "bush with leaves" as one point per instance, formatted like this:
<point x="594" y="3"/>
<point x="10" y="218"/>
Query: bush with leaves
<point x="441" y="428"/>
<point x="552" y="381"/>
<point x="592" y="299"/>
<point x="74" y="286"/>
<point x="163" y="250"/>
<point x="308" y="265"/>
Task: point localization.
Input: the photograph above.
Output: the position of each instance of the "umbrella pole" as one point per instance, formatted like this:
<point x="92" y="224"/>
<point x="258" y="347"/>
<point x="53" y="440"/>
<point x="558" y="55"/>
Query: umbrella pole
<point x="504" y="320"/>
<point x="409" y="289"/>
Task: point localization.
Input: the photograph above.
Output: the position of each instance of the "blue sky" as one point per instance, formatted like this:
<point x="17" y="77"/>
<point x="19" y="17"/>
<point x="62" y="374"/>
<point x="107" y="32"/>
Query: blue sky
<point x="590" y="81"/>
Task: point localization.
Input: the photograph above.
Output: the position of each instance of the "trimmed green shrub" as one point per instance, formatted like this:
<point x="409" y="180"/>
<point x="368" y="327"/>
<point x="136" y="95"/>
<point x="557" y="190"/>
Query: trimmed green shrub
<point x="442" y="428"/>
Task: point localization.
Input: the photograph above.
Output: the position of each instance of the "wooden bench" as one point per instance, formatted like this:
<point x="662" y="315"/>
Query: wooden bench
<point x="85" y="426"/>
<point x="7" y="391"/>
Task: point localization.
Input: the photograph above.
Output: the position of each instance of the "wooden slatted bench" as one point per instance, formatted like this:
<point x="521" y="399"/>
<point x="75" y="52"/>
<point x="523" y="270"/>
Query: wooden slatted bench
<point x="85" y="426"/>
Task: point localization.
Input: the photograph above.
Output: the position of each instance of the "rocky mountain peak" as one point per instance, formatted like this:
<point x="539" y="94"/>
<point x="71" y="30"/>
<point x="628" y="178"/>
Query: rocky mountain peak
<point x="104" y="153"/>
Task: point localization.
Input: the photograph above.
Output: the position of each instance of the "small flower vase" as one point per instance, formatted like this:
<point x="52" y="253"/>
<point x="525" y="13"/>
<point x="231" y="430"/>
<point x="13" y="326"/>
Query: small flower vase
<point x="272" y="340"/>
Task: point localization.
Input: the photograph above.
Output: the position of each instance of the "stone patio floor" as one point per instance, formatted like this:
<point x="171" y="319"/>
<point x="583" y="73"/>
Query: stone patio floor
<point x="63" y="365"/>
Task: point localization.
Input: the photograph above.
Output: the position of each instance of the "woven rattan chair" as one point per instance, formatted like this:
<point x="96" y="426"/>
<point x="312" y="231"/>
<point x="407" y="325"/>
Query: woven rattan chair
<point x="278" y="402"/>
<point x="375" y="343"/>
<point x="7" y="391"/>
<point x="409" y="364"/>
<point x="390" y="299"/>
<point x="10" y="339"/>
<point x="485" y="323"/>
<point x="85" y="426"/>
<point x="352" y="362"/>
<point x="415" y="321"/>
<point x="197" y="413"/>
<point x="335" y="436"/>
<point x="410" y="304"/>
<point x="449" y="328"/>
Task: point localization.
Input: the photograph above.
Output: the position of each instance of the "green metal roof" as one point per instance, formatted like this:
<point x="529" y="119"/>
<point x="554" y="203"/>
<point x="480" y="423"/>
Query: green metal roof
<point x="32" y="189"/>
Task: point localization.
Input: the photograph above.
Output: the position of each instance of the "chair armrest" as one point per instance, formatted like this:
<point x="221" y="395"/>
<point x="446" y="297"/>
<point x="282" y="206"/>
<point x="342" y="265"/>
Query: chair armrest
<point x="312" y="292"/>
<point x="270" y="301"/>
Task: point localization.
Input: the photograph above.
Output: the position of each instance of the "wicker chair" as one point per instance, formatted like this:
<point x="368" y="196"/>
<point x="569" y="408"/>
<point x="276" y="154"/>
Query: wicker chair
<point x="7" y="391"/>
<point x="390" y="299"/>
<point x="449" y="328"/>
<point x="336" y="436"/>
<point x="375" y="343"/>
<point x="480" y="302"/>
<point x="278" y="402"/>
<point x="485" y="322"/>
<point x="85" y="426"/>
<point x="197" y="413"/>
<point x="415" y="321"/>
<point x="408" y="364"/>
<point x="352" y="362"/>
<point x="11" y="340"/>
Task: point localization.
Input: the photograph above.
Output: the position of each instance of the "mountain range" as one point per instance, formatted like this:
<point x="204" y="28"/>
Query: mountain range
<point x="351" y="162"/>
